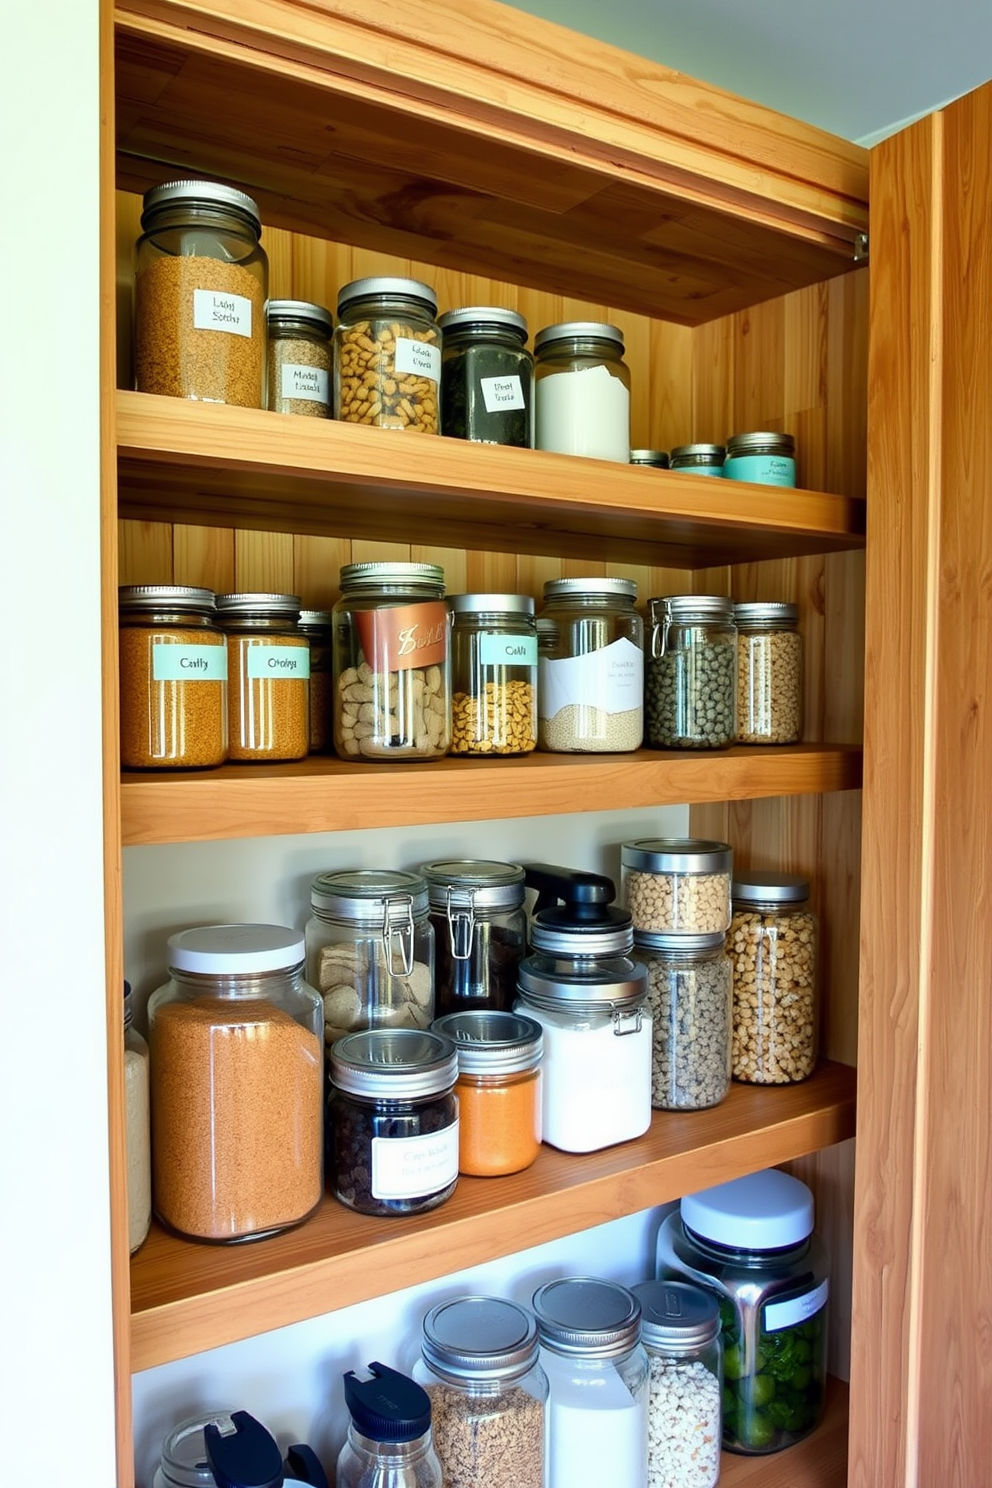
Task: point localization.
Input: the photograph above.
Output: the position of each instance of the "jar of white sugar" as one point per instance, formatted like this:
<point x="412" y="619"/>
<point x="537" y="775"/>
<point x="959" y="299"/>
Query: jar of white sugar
<point x="590" y="670"/>
<point x="680" y="1331"/>
<point x="582" y="391"/>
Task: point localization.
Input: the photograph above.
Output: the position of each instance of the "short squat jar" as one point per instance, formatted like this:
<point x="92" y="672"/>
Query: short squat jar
<point x="480" y="1366"/>
<point x="201" y="282"/>
<point x="268" y="665"/>
<point x="689" y="988"/>
<point x="392" y="1121"/>
<point x="690" y="688"/>
<point x="698" y="459"/>
<point x="582" y="391"/>
<point x="316" y="625"/>
<point x="769" y="459"/>
<point x="184" y="1462"/>
<point x="387" y="355"/>
<point x="591" y="667"/>
<point x="677" y="885"/>
<point x="487" y="376"/>
<point x="299" y="358"/>
<point x="392" y="674"/>
<point x="769" y="673"/>
<point x="493" y="674"/>
<point x="480" y="932"/>
<point x="680" y="1331"/>
<point x="173" y="665"/>
<point x="654" y="459"/>
<point x="773" y="943"/>
<point x="499" y="1090"/>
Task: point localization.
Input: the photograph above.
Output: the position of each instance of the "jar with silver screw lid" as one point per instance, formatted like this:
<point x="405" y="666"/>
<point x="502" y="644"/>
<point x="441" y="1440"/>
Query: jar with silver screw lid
<point x="690" y="990"/>
<point x="690" y="688"/>
<point x="769" y="673"/>
<point x="493" y="674"/>
<point x="591" y="668"/>
<point x="769" y="459"/>
<point x="698" y="459"/>
<point x="173" y="678"/>
<point x="773" y="943"/>
<point x="480" y="932"/>
<point x="298" y="361"/>
<point x="317" y="626"/>
<point x="499" y="1090"/>
<point x="487" y="376"/>
<point x="387" y="355"/>
<point x="657" y="459"/>
<point x="680" y="1331"/>
<point x="268" y="669"/>
<point x="582" y="391"/>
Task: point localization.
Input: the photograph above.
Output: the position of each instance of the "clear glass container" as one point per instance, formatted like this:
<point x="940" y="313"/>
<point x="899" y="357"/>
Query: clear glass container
<point x="773" y="943"/>
<point x="392" y="1121"/>
<point x="591" y="670"/>
<point x="298" y="364"/>
<point x="690" y="689"/>
<point x="680" y="1331"/>
<point x="698" y="459"/>
<point x="137" y="1119"/>
<point x="657" y="459"/>
<point x="201" y="282"/>
<point x="769" y="459"/>
<point x="582" y="391"/>
<point x="387" y="355"/>
<point x="498" y="1089"/>
<point x="370" y="950"/>
<point x="690" y="987"/>
<point x="597" y="1373"/>
<point x="184" y="1462"/>
<point x="233" y="1448"/>
<point x="389" y="1442"/>
<point x="236" y="1039"/>
<point x="480" y="1366"/>
<point x="317" y="626"/>
<point x="487" y="376"/>
<point x="493" y="674"/>
<point x="268" y="667"/>
<point x="392" y="671"/>
<point x="173" y="674"/>
<point x="752" y="1244"/>
<point x="769" y="673"/>
<point x="480" y="932"/>
<point x="677" y="885"/>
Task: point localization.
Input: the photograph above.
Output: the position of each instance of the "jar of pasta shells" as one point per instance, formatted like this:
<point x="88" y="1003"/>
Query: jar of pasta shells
<point x="387" y="355"/>
<point x="773" y="945"/>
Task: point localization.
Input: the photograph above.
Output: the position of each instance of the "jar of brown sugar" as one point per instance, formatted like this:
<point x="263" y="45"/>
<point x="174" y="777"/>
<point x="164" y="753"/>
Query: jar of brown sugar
<point x="299" y="358"/>
<point x="173" y="669"/>
<point x="268" y="671"/>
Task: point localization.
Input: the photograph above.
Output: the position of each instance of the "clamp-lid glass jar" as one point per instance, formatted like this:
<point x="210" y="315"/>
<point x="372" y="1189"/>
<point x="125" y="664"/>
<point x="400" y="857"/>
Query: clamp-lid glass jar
<point x="201" y="282"/>
<point x="268" y="664"/>
<point x="690" y="991"/>
<point x="769" y="459"/>
<point x="493" y="674"/>
<point x="317" y="626"/>
<point x="480" y="932"/>
<point x="698" y="459"/>
<point x="582" y="390"/>
<point x="677" y="885"/>
<point x="237" y="1075"/>
<point x="173" y="667"/>
<point x="690" y="690"/>
<point x="751" y="1242"/>
<point x="387" y="355"/>
<point x="591" y="670"/>
<point x="370" y="950"/>
<point x="773" y="943"/>
<point x="392" y="675"/>
<point x="680" y="1331"/>
<point x="392" y="1120"/>
<point x="769" y="673"/>
<point x="499" y="1090"/>
<point x="298" y="363"/>
<point x="487" y="376"/>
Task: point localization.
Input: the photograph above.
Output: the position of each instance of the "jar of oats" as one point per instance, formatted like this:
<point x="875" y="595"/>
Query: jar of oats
<point x="268" y="659"/>
<point x="773" y="944"/>
<point x="677" y="885"/>
<point x="769" y="673"/>
<point x="387" y="355"/>
<point x="299" y="358"/>
<point x="173" y="665"/>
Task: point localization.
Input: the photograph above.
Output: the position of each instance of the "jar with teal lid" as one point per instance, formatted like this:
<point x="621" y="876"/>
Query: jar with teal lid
<point x="698" y="459"/>
<point x="766" y="458"/>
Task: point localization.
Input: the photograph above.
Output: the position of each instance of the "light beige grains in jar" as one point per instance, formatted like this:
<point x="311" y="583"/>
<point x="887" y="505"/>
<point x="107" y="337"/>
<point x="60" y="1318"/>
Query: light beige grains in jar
<point x="298" y="364"/>
<point x="769" y="674"/>
<point x="773" y="947"/>
<point x="675" y="885"/>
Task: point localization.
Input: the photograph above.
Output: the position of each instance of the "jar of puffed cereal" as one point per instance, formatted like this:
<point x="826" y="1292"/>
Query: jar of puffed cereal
<point x="773" y="946"/>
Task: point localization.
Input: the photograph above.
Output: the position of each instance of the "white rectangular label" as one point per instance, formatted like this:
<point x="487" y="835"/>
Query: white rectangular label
<point x="780" y="1315"/>
<point x="310" y="383"/>
<point x="215" y="311"/>
<point x="611" y="678"/>
<point x="417" y="359"/>
<point x="499" y="393"/>
<point x="278" y="661"/>
<point x="413" y="1167"/>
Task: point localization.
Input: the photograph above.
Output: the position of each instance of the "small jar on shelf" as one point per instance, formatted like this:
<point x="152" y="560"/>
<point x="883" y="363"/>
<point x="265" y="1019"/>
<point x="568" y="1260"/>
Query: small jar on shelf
<point x="173" y="678"/>
<point x="764" y="457"/>
<point x="493" y="674"/>
<point x="480" y="932"/>
<point x="582" y="391"/>
<point x="317" y="626"/>
<point x="387" y="355"/>
<point x="698" y="459"/>
<point x="680" y="1331"/>
<point x="677" y="885"/>
<point x="769" y="673"/>
<point x="653" y="459"/>
<point x="487" y="376"/>
<point x="773" y="944"/>
<point x="268" y="663"/>
<point x="590" y="667"/>
<point x="690" y="689"/>
<point x="299" y="358"/>
<point x="498" y="1089"/>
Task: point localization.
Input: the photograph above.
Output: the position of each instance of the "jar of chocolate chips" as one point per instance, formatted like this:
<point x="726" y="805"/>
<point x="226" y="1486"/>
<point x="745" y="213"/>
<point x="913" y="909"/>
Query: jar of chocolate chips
<point x="480" y="929"/>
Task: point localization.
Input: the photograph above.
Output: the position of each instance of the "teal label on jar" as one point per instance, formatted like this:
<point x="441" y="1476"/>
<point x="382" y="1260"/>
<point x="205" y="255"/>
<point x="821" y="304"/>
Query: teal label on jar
<point x="278" y="661"/>
<point x="499" y="649"/>
<point x="172" y="663"/>
<point x="766" y="470"/>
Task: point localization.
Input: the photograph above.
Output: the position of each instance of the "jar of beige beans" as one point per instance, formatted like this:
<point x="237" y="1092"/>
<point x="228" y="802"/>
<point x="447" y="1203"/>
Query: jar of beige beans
<point x="773" y="944"/>
<point x="769" y="673"/>
<point x="689" y="987"/>
<point x="677" y="885"/>
<point x="387" y="355"/>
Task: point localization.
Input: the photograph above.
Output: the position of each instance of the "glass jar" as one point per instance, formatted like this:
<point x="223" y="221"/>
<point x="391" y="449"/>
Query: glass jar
<point x="769" y="673"/>
<point x="498" y="1089"/>
<point x="370" y="950"/>
<point x="268" y="664"/>
<point x="769" y="459"/>
<point x="236" y="1066"/>
<point x="387" y="355"/>
<point x="480" y="1366"/>
<point x="173" y="670"/>
<point x="201" y="282"/>
<point x="582" y="391"/>
<point x="691" y="994"/>
<point x="690" y="691"/>
<point x="392" y="677"/>
<point x="773" y="943"/>
<point x="185" y="1461"/>
<point x="598" y="1381"/>
<point x="389" y="1442"/>
<point x="298" y="364"/>
<point x="751" y="1242"/>
<point x="493" y="674"/>
<point x="698" y="459"/>
<point x="591" y="679"/>
<point x="487" y="376"/>
<point x="392" y="1120"/>
<point x="680" y="1331"/>
<point x="677" y="885"/>
<point x="658" y="459"/>
<point x="317" y="626"/>
<point x="137" y="1130"/>
<point x="480" y="932"/>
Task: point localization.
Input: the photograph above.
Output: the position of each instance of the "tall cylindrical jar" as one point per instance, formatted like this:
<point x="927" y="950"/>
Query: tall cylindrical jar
<point x="487" y="376"/>
<point x="173" y="674"/>
<point x="480" y="932"/>
<point x="582" y="391"/>
<point x="769" y="673"/>
<point x="690" y="990"/>
<point x="773" y="943"/>
<point x="299" y="358"/>
<point x="680" y="1331"/>
<point x="493" y="674"/>
<point x="480" y="1365"/>
<point x="499" y="1090"/>
<point x="201" y="282"/>
<point x="392" y="675"/>
<point x="268" y="665"/>
<point x="387" y="355"/>
<point x="690" y="690"/>
<point x="137" y="1119"/>
<point x="598" y="1380"/>
<point x="317" y="626"/>
<point x="591" y="668"/>
<point x="236" y="1039"/>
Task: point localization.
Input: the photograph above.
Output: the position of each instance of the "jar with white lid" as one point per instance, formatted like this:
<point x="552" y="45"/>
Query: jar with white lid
<point x="316" y="625"/>
<point x="773" y="943"/>
<point x="493" y="674"/>
<point x="680" y="1331"/>
<point x="769" y="673"/>
<point x="299" y="358"/>
<point x="137" y="1130"/>
<point x="598" y="1383"/>
<point x="690" y="688"/>
<point x="268" y="668"/>
<point x="487" y="376"/>
<point x="690" y="988"/>
<point x="480" y="1365"/>
<point x="764" y="457"/>
<point x="236" y="1040"/>
<point x="751" y="1242"/>
<point x="387" y="355"/>
<point x="677" y="885"/>
<point x="591" y="667"/>
<point x="582" y="390"/>
<point x="698" y="459"/>
<point x="173" y="677"/>
<point x="498" y="1089"/>
<point x="480" y="932"/>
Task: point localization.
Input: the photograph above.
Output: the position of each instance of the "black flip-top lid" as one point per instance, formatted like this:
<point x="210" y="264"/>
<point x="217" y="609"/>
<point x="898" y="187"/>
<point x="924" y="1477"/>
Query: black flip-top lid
<point x="575" y="912"/>
<point x="390" y="1407"/>
<point x="247" y="1457"/>
<point x="304" y="1465"/>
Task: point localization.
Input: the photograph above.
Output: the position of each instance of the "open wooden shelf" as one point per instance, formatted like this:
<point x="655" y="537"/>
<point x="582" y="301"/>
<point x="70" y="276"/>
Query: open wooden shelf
<point x="818" y="1462"/>
<point x="187" y="1297"/>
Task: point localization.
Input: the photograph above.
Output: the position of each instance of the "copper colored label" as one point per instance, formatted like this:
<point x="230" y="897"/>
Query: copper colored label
<point x="414" y="635"/>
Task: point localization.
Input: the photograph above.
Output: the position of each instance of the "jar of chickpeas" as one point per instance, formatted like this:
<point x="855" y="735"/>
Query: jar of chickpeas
<point x="387" y="355"/>
<point x="773" y="946"/>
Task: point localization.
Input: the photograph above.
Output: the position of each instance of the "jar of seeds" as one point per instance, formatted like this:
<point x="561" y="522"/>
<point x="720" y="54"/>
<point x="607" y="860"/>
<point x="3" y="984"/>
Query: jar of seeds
<point x="690" y="690"/>
<point x="773" y="943"/>
<point x="317" y="626"/>
<point x="769" y="674"/>
<point x="387" y="355"/>
<point x="493" y="674"/>
<point x="677" y="885"/>
<point x="690" y="991"/>
<point x="590" y="667"/>
<point x="487" y="376"/>
<point x="392" y="682"/>
<point x="680" y="1331"/>
<point x="173" y="661"/>
<point x="268" y="663"/>
<point x="299" y="358"/>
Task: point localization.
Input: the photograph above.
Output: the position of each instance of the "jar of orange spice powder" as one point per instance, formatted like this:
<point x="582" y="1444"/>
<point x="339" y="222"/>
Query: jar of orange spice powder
<point x="498" y="1089"/>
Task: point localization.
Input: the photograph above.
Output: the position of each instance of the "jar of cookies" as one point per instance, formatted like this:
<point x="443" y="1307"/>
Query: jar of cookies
<point x="387" y="355"/>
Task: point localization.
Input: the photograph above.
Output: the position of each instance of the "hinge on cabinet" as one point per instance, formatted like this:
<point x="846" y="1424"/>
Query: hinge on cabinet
<point x="861" y="248"/>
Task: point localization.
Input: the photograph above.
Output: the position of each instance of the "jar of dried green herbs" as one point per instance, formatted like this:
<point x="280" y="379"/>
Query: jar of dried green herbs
<point x="487" y="376"/>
